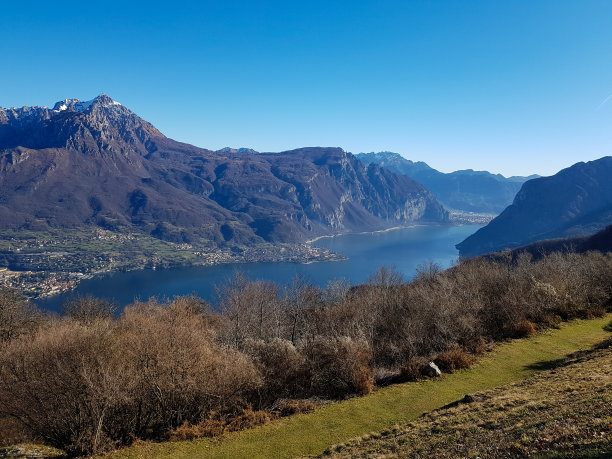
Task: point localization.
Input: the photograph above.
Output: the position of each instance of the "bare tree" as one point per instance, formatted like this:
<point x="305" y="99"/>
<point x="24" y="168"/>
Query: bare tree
<point x="17" y="314"/>
<point x="88" y="309"/>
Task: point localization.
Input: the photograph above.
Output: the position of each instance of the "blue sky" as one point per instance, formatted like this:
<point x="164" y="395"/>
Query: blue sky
<point x="514" y="87"/>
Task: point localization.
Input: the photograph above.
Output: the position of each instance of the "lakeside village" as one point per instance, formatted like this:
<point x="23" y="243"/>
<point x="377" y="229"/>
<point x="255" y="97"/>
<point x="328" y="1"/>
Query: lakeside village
<point x="462" y="217"/>
<point x="45" y="266"/>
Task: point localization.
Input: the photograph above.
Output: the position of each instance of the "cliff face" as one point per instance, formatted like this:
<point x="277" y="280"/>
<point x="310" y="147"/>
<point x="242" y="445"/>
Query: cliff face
<point x="336" y="191"/>
<point x="576" y="201"/>
<point x="97" y="163"/>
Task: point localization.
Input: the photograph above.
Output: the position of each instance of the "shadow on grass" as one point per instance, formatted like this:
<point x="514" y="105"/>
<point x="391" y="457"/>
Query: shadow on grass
<point x="569" y="359"/>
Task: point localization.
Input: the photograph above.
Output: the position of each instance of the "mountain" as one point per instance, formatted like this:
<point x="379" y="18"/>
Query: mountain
<point x="96" y="163"/>
<point x="575" y="201"/>
<point x="466" y="190"/>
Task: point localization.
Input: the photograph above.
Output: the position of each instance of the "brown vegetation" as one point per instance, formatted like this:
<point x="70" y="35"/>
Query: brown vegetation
<point x="453" y="359"/>
<point x="89" y="381"/>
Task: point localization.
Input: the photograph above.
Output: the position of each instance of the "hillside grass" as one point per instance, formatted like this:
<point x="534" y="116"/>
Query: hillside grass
<point x="311" y="434"/>
<point x="563" y="412"/>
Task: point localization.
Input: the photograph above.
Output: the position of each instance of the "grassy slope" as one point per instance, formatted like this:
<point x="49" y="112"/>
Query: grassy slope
<point x="339" y="422"/>
<point x="563" y="412"/>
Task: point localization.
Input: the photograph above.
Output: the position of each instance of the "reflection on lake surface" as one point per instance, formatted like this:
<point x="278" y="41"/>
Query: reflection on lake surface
<point x="404" y="249"/>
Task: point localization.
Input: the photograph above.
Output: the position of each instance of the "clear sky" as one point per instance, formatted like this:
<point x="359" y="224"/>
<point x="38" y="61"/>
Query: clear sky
<point x="516" y="87"/>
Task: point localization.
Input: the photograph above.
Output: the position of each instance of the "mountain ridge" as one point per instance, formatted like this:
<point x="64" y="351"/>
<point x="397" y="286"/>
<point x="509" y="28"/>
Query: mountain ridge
<point x="98" y="163"/>
<point x="574" y="202"/>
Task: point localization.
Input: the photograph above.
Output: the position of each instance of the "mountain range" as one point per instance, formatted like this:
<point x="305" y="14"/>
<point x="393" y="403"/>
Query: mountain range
<point x="96" y="163"/>
<point x="576" y="201"/>
<point x="465" y="190"/>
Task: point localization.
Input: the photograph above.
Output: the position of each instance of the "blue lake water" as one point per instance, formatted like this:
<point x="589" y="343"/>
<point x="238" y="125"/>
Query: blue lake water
<point x="403" y="249"/>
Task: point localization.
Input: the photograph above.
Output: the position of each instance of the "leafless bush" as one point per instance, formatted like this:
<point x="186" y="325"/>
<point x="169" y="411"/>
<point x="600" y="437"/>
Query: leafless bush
<point x="175" y="371"/>
<point x="252" y="310"/>
<point x="217" y="424"/>
<point x="453" y="359"/>
<point x="62" y="385"/>
<point x="88" y="309"/>
<point x="17" y="314"/>
<point x="87" y="387"/>
<point x="413" y="369"/>
<point x="287" y="407"/>
<point x="282" y="367"/>
<point x="338" y="367"/>
<point x="522" y="329"/>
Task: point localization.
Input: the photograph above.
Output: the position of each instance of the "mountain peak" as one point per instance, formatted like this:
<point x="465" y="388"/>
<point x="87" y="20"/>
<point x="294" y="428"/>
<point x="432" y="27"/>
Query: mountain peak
<point x="104" y="101"/>
<point x="100" y="125"/>
<point x="80" y="106"/>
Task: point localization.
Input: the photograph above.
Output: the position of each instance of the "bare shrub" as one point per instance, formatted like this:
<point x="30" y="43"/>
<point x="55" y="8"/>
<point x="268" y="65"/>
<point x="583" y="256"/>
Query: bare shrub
<point x="188" y="431"/>
<point x="287" y="407"/>
<point x="60" y="384"/>
<point x="338" y="367"/>
<point x="453" y="359"/>
<point x="248" y="419"/>
<point x="522" y="329"/>
<point x="413" y="369"/>
<point x="216" y="425"/>
<point x="88" y="309"/>
<point x="282" y="367"/>
<point x="300" y="298"/>
<point x="175" y="372"/>
<point x="386" y="277"/>
<point x="252" y="310"/>
<point x="17" y="314"/>
<point x="87" y="387"/>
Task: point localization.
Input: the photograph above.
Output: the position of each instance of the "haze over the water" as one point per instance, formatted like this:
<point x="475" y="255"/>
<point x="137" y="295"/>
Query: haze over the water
<point x="515" y="87"/>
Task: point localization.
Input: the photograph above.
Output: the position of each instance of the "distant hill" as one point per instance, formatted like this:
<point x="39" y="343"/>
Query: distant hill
<point x="576" y="201"/>
<point x="96" y="163"/>
<point x="236" y="150"/>
<point x="600" y="241"/>
<point x="466" y="190"/>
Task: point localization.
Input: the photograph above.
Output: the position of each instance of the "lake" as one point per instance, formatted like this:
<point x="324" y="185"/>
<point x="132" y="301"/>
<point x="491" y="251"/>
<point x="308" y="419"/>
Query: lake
<point x="403" y="249"/>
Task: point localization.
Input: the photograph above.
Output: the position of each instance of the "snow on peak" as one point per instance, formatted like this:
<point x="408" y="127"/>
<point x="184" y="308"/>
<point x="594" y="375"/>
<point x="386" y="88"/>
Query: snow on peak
<point x="75" y="104"/>
<point x="80" y="106"/>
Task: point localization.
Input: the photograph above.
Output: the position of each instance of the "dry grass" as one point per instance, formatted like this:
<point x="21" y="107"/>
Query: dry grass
<point x="30" y="451"/>
<point x="563" y="411"/>
<point x="216" y="425"/>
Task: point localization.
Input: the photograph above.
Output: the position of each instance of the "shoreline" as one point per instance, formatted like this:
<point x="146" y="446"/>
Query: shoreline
<point x="393" y="228"/>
